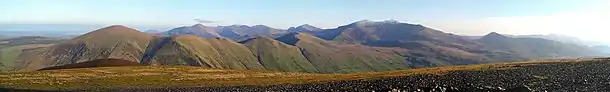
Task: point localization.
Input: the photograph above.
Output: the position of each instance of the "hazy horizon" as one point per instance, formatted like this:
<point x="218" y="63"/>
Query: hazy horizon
<point x="579" y="18"/>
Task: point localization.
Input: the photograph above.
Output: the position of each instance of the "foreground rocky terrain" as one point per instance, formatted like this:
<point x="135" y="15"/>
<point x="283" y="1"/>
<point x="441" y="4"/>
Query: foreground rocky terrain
<point x="539" y="75"/>
<point x="544" y="76"/>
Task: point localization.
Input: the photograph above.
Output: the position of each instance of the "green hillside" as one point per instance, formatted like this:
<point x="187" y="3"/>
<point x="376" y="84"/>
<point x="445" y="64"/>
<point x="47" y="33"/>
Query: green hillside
<point x="206" y="52"/>
<point x="329" y="57"/>
<point x="278" y="56"/>
<point x="11" y="48"/>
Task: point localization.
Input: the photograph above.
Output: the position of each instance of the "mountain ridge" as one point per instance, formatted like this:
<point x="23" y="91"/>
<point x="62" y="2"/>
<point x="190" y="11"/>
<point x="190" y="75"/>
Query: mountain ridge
<point x="362" y="46"/>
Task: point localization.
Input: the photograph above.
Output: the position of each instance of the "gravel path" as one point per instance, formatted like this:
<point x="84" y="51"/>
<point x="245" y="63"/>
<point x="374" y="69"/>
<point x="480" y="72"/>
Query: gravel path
<point x="556" y="76"/>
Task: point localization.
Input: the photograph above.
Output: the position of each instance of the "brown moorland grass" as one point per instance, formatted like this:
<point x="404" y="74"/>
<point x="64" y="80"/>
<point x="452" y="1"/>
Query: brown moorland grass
<point x="186" y="76"/>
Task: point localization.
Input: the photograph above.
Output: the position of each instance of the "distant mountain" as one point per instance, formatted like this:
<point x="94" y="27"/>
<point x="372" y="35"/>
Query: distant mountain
<point x="536" y="48"/>
<point x="116" y="41"/>
<point x="371" y="32"/>
<point x="245" y="32"/>
<point x="557" y="37"/>
<point x="416" y="38"/>
<point x="554" y="37"/>
<point x="198" y="30"/>
<point x="234" y="32"/>
<point x="304" y="28"/>
<point x="152" y="31"/>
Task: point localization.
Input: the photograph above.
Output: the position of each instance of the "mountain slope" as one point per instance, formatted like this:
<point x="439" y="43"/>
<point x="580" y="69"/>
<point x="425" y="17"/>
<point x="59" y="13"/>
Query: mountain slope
<point x="426" y="43"/>
<point x="238" y="32"/>
<point x="10" y="55"/>
<point x="329" y="57"/>
<point x="536" y="48"/>
<point x="205" y="52"/>
<point x="304" y="28"/>
<point x="275" y="55"/>
<point x="10" y="48"/>
<point x="392" y="33"/>
<point x="116" y="41"/>
<point x="449" y="49"/>
<point x="198" y="30"/>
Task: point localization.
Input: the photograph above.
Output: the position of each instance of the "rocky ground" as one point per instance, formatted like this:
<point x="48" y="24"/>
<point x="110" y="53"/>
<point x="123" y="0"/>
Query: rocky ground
<point x="550" y="76"/>
<point x="583" y="75"/>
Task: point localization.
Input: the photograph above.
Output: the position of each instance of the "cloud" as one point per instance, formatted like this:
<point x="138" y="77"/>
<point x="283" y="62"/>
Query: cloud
<point x="204" y="21"/>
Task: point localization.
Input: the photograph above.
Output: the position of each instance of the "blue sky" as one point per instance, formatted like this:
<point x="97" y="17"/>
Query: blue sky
<point x="278" y="13"/>
<point x="468" y="17"/>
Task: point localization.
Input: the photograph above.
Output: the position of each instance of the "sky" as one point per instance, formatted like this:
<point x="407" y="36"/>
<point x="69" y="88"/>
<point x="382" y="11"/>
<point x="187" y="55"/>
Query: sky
<point x="585" y="19"/>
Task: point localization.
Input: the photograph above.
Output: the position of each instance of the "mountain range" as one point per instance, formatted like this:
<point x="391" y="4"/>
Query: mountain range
<point x="235" y="32"/>
<point x="362" y="46"/>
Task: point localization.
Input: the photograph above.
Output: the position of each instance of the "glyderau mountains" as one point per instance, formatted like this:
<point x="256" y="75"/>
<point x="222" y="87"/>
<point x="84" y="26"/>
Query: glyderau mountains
<point x="363" y="46"/>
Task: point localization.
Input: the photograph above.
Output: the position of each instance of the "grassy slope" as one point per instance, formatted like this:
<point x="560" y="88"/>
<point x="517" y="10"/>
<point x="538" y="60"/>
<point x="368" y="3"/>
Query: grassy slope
<point x="185" y="76"/>
<point x="10" y="55"/>
<point x="206" y="52"/>
<point x="329" y="57"/>
<point x="277" y="56"/>
<point x="10" y="48"/>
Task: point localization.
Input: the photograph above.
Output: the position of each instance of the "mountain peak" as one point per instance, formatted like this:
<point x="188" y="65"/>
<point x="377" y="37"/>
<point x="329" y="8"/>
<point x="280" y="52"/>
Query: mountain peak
<point x="305" y="25"/>
<point x="198" y="25"/>
<point x="494" y="35"/>
<point x="260" y="26"/>
<point x="363" y="21"/>
<point x="236" y="26"/>
<point x="116" y="28"/>
<point x="304" y="28"/>
<point x="369" y="22"/>
<point x="390" y="21"/>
